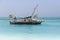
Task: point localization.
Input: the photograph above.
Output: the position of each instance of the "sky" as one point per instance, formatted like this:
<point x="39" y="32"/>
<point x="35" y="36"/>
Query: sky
<point x="23" y="8"/>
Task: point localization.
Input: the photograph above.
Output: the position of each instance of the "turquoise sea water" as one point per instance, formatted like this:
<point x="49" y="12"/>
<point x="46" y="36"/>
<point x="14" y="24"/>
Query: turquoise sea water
<point x="48" y="30"/>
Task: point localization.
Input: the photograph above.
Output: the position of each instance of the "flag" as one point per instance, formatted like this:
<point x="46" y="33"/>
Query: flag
<point x="10" y="16"/>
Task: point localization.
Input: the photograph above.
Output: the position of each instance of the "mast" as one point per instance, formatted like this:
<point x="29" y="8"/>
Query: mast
<point x="34" y="10"/>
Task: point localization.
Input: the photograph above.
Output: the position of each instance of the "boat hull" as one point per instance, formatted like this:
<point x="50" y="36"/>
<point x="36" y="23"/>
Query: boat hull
<point x="25" y="22"/>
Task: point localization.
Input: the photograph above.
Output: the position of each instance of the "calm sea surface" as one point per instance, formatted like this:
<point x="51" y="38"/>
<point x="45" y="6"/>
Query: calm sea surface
<point x="48" y="30"/>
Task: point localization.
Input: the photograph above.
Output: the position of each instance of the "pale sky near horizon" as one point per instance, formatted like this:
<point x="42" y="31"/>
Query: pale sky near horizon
<point x="46" y="8"/>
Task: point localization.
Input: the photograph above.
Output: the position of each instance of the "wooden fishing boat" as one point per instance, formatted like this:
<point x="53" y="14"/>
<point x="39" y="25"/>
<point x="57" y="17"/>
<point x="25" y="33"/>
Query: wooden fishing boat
<point x="27" y="20"/>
